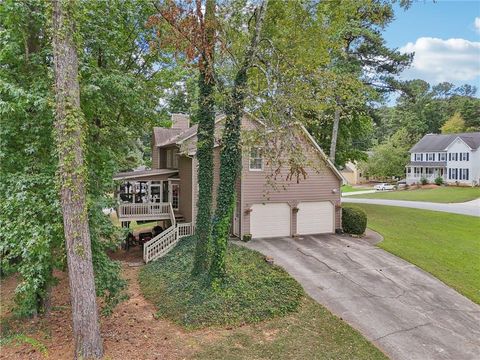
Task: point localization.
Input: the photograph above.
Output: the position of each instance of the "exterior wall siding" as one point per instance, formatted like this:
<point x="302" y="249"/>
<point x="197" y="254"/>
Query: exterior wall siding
<point x="253" y="187"/>
<point x="459" y="146"/>
<point x="185" y="174"/>
<point x="155" y="155"/>
<point x="475" y="159"/>
<point x="318" y="186"/>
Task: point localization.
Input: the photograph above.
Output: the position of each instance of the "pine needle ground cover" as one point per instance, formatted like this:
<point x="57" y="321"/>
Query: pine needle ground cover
<point x="253" y="291"/>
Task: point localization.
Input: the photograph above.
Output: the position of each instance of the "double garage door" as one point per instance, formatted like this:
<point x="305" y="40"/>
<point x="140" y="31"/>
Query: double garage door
<point x="274" y="219"/>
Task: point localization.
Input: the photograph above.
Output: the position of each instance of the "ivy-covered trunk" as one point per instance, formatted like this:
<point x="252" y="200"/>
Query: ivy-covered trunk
<point x="231" y="155"/>
<point x="205" y="143"/>
<point x="70" y="135"/>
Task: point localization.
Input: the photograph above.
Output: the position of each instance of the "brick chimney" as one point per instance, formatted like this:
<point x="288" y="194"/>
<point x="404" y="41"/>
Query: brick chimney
<point x="180" y="121"/>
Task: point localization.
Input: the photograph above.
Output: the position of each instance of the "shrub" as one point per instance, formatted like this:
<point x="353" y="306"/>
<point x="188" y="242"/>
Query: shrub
<point x="247" y="237"/>
<point x="439" y="181"/>
<point x="423" y="181"/>
<point x="354" y="220"/>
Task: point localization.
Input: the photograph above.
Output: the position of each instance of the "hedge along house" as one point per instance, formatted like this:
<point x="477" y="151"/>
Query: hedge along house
<point x="267" y="205"/>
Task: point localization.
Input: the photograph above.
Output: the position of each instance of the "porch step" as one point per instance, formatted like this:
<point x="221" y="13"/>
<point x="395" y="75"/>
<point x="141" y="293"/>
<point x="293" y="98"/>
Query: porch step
<point x="179" y="217"/>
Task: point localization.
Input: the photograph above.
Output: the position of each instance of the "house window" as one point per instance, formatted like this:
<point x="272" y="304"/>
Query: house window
<point x="464" y="175"/>
<point x="256" y="160"/>
<point x="169" y="159"/>
<point x="175" y="159"/>
<point x="464" y="156"/>
<point x="442" y="157"/>
<point x="418" y="157"/>
<point x="431" y="157"/>
<point x="175" y="196"/>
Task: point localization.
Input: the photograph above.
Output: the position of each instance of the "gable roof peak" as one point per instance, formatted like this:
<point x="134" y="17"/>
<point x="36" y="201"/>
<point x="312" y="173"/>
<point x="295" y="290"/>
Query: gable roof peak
<point x="439" y="142"/>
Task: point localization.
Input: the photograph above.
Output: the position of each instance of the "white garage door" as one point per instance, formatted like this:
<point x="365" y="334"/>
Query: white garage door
<point x="315" y="218"/>
<point x="270" y="220"/>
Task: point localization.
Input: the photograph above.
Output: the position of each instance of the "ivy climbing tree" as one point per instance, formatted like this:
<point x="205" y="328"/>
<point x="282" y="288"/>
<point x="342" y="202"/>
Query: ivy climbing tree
<point x="192" y="31"/>
<point x="72" y="173"/>
<point x="231" y="153"/>
<point x="205" y="140"/>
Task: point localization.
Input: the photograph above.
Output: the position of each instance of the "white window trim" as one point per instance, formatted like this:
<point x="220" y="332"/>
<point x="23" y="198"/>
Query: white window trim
<point x="250" y="161"/>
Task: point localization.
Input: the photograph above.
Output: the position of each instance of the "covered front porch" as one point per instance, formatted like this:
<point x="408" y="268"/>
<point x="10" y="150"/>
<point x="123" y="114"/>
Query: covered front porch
<point x="148" y="195"/>
<point x="425" y="171"/>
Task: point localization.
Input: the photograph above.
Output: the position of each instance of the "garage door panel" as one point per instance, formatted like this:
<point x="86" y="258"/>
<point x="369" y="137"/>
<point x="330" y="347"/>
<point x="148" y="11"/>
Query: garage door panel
<point x="270" y="220"/>
<point x="315" y="217"/>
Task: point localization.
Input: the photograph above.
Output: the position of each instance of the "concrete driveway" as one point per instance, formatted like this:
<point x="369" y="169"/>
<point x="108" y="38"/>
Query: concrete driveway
<point x="406" y="312"/>
<point x="467" y="208"/>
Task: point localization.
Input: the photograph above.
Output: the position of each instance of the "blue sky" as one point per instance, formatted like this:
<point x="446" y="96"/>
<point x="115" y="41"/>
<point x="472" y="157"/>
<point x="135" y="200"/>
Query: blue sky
<point x="445" y="36"/>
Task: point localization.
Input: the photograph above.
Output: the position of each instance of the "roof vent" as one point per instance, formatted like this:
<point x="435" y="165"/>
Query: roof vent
<point x="180" y="121"/>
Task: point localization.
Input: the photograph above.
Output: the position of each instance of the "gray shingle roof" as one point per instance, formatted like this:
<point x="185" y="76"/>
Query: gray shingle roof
<point x="130" y="175"/>
<point x="439" y="142"/>
<point x="164" y="136"/>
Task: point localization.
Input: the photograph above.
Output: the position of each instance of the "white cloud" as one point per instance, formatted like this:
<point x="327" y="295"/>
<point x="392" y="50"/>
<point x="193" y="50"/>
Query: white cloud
<point x="437" y="60"/>
<point x="476" y="23"/>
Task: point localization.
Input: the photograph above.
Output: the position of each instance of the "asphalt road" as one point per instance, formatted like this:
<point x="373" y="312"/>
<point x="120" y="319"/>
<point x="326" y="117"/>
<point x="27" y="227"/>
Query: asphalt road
<point x="467" y="208"/>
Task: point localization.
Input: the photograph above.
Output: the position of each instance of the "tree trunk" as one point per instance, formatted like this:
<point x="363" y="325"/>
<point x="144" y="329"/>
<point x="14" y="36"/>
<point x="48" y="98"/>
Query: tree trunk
<point x="205" y="143"/>
<point x="231" y="155"/>
<point x="336" y="123"/>
<point x="70" y="134"/>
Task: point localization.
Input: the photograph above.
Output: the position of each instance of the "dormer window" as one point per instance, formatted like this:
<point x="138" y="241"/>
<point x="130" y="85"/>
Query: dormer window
<point x="256" y="160"/>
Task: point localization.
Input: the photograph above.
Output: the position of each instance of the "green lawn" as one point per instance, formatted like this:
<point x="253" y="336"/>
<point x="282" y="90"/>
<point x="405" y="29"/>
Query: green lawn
<point x="350" y="188"/>
<point x="444" y="194"/>
<point x="446" y="245"/>
<point x="311" y="333"/>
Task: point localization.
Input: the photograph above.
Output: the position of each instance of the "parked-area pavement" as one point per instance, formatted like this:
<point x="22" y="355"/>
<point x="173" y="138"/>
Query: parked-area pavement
<point x="405" y="311"/>
<point x="466" y="208"/>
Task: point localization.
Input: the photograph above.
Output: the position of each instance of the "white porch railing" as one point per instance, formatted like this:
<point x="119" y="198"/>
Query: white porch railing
<point x="143" y="210"/>
<point x="185" y="229"/>
<point x="161" y="244"/>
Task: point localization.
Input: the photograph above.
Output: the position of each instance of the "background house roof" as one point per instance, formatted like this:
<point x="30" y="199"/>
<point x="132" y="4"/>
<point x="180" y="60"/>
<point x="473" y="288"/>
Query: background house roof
<point x="439" y="142"/>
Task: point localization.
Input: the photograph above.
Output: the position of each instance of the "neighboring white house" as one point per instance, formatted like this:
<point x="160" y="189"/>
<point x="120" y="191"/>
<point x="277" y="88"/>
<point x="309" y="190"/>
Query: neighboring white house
<point x="454" y="157"/>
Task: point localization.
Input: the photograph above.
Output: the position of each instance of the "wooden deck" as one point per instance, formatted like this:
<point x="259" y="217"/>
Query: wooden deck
<point x="143" y="211"/>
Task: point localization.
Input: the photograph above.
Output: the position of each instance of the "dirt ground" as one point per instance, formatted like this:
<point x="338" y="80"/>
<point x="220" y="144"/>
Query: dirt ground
<point x="131" y="332"/>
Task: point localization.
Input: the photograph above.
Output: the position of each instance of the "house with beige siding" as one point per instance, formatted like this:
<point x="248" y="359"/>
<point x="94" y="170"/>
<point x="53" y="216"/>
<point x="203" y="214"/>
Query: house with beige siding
<point x="265" y="207"/>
